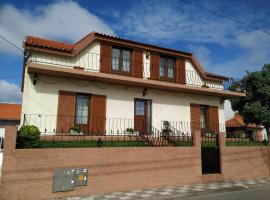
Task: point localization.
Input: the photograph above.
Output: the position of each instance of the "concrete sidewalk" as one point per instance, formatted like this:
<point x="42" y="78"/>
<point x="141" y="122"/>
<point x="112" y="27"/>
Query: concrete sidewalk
<point x="179" y="192"/>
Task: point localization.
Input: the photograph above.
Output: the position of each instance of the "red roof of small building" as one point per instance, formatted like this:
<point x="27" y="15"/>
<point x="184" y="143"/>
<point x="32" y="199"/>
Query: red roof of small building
<point x="238" y="121"/>
<point x="10" y="111"/>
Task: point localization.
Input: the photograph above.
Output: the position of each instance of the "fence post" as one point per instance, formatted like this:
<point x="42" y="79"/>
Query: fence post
<point x="10" y="139"/>
<point x="222" y="144"/>
<point x="9" y="163"/>
<point x="197" y="139"/>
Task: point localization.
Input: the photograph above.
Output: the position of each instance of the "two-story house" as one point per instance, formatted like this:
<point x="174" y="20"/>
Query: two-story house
<point x="104" y="84"/>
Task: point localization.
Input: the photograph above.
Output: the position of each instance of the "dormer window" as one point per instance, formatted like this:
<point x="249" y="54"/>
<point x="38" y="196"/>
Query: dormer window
<point x="167" y="68"/>
<point x="121" y="60"/>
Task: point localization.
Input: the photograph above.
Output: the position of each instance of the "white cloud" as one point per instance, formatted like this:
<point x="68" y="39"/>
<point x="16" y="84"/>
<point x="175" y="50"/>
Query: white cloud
<point x="202" y="53"/>
<point x="160" y="20"/>
<point x="9" y="92"/>
<point x="256" y="52"/>
<point x="164" y="23"/>
<point x="65" y="20"/>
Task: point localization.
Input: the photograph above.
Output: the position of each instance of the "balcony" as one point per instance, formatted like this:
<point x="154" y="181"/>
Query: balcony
<point x="144" y="73"/>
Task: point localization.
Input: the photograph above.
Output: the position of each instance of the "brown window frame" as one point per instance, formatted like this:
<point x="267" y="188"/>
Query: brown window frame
<point x="88" y="114"/>
<point x="121" y="61"/>
<point x="205" y="117"/>
<point x="166" y="72"/>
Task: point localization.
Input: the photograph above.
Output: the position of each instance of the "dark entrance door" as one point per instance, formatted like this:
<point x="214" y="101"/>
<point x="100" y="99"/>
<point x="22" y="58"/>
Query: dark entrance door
<point x="210" y="154"/>
<point x="142" y="115"/>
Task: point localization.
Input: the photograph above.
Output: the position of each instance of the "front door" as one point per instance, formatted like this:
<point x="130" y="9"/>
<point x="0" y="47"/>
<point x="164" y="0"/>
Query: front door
<point x="143" y="115"/>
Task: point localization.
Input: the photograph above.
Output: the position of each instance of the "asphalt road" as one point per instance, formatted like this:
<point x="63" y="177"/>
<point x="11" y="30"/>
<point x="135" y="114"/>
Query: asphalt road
<point x="262" y="193"/>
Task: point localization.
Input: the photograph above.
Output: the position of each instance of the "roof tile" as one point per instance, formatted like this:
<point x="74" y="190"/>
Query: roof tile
<point x="10" y="111"/>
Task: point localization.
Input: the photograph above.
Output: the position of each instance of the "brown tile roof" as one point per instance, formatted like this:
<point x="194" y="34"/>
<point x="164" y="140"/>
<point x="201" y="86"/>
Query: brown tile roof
<point x="50" y="44"/>
<point x="238" y="121"/>
<point x="142" y="43"/>
<point x="55" y="45"/>
<point x="10" y="111"/>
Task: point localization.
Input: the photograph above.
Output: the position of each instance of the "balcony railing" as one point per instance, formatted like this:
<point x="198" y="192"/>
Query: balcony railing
<point x="92" y="62"/>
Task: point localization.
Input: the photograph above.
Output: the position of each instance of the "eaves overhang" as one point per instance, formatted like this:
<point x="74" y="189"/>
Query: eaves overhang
<point x="50" y="70"/>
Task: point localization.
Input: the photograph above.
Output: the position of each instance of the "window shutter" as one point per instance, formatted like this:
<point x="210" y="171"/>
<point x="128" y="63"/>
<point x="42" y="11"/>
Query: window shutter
<point x="154" y="66"/>
<point x="137" y="63"/>
<point x="180" y="71"/>
<point x="195" y="117"/>
<point x="212" y="119"/>
<point x="105" y="58"/>
<point x="98" y="114"/>
<point x="66" y="111"/>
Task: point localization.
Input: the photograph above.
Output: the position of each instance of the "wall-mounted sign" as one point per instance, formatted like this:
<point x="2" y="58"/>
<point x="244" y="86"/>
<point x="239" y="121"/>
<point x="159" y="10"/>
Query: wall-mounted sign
<point x="81" y="177"/>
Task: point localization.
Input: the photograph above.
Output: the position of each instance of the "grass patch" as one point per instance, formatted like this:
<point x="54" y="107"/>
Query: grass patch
<point x="232" y="143"/>
<point x="208" y="144"/>
<point x="70" y="144"/>
<point x="182" y="143"/>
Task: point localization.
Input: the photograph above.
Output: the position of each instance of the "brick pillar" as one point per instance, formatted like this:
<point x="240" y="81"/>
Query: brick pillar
<point x="10" y="139"/>
<point x="222" y="144"/>
<point x="9" y="163"/>
<point x="197" y="139"/>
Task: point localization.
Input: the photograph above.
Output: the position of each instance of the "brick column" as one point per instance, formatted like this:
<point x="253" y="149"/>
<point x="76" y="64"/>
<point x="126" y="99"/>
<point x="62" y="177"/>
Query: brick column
<point x="9" y="163"/>
<point x="10" y="139"/>
<point x="197" y="139"/>
<point x="222" y="144"/>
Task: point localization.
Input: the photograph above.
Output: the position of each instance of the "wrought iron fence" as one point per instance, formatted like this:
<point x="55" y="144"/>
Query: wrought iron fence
<point x="92" y="62"/>
<point x="242" y="136"/>
<point x="97" y="131"/>
<point x="66" y="129"/>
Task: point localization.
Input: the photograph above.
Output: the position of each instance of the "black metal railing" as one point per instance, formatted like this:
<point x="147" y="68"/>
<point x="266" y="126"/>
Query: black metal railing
<point x="92" y="62"/>
<point x="62" y="129"/>
<point x="69" y="129"/>
<point x="177" y="133"/>
<point x="242" y="136"/>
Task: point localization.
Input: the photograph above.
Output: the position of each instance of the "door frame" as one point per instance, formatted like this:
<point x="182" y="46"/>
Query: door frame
<point x="146" y="114"/>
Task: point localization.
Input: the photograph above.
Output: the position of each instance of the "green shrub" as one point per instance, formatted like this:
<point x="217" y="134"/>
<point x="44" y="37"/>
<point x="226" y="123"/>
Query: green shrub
<point x="75" y="129"/>
<point x="130" y="130"/>
<point x="28" y="137"/>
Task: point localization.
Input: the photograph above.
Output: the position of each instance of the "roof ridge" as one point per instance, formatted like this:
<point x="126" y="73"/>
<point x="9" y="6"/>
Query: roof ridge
<point x="143" y="43"/>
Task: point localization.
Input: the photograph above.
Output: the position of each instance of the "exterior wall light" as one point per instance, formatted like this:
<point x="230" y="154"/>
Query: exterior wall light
<point x="145" y="90"/>
<point x="147" y="55"/>
<point x="35" y="78"/>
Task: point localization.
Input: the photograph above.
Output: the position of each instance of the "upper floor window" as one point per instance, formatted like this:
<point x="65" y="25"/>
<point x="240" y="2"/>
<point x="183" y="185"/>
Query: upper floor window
<point x="121" y="60"/>
<point x="167" y="68"/>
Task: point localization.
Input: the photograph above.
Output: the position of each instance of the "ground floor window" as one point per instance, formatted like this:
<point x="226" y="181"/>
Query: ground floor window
<point x="203" y="113"/>
<point x="82" y="108"/>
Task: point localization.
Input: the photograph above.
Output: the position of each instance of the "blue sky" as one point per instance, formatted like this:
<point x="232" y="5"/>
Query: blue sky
<point x="222" y="46"/>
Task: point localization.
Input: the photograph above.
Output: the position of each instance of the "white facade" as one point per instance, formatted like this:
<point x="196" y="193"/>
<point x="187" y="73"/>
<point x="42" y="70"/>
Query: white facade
<point x="89" y="58"/>
<point x="41" y="100"/>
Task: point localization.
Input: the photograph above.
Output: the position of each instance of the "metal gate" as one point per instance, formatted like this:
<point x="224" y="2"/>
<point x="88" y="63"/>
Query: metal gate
<point x="210" y="154"/>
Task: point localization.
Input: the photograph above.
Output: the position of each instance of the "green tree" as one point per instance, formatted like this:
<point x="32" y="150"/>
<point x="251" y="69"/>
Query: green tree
<point x="255" y="107"/>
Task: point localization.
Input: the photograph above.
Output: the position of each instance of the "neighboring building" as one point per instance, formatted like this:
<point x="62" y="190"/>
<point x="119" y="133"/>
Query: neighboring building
<point x="104" y="84"/>
<point x="10" y="114"/>
<point x="237" y="126"/>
